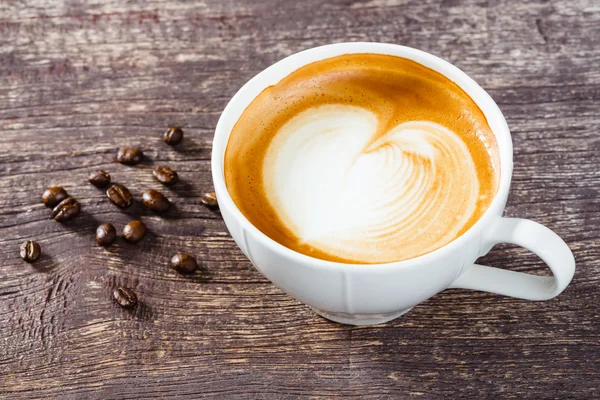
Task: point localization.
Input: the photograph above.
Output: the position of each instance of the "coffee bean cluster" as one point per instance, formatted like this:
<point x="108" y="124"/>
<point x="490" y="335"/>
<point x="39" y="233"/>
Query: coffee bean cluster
<point x="66" y="208"/>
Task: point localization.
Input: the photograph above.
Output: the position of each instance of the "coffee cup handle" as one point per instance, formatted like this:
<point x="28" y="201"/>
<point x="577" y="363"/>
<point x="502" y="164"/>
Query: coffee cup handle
<point x="536" y="238"/>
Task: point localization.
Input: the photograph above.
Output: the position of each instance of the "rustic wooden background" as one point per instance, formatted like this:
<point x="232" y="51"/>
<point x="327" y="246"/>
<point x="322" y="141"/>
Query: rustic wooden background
<point x="78" y="79"/>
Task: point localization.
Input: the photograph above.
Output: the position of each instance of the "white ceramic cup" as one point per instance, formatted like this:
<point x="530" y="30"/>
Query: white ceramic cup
<point x="371" y="294"/>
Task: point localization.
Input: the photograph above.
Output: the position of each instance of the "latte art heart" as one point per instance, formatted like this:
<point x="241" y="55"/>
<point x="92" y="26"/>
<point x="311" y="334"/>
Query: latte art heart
<point x="346" y="192"/>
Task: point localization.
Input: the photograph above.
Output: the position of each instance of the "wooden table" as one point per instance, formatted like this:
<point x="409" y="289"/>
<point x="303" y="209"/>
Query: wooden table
<point x="77" y="82"/>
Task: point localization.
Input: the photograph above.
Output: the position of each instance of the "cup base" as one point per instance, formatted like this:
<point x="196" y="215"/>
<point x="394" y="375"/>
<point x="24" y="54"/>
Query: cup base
<point x="360" y="319"/>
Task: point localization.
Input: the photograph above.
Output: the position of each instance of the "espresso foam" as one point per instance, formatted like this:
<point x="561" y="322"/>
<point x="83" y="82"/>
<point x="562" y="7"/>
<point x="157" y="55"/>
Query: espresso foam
<point x="362" y="158"/>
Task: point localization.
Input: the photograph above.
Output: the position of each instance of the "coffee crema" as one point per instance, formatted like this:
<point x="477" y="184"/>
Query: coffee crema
<point x="362" y="158"/>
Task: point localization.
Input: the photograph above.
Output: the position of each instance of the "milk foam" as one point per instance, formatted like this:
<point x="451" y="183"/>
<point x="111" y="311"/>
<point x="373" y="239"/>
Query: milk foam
<point x="343" y="191"/>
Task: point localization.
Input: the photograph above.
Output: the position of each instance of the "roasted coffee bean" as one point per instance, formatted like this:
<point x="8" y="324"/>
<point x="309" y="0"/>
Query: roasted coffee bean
<point x="106" y="234"/>
<point x="125" y="297"/>
<point x="165" y="175"/>
<point x="130" y="156"/>
<point x="210" y="200"/>
<point x="119" y="195"/>
<point x="54" y="195"/>
<point x="155" y="201"/>
<point x="99" y="178"/>
<point x="30" y="251"/>
<point x="134" y="231"/>
<point x="173" y="136"/>
<point x="184" y="263"/>
<point x="66" y="210"/>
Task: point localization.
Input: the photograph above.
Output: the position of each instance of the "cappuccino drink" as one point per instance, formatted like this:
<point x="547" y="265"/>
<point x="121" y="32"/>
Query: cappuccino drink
<point x="362" y="158"/>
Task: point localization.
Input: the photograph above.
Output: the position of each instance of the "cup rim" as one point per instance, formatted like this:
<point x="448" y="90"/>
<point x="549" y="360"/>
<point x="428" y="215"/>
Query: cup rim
<point x="286" y="66"/>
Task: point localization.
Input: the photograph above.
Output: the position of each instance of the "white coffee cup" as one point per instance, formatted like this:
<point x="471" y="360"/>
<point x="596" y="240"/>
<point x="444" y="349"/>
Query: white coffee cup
<point x="376" y="293"/>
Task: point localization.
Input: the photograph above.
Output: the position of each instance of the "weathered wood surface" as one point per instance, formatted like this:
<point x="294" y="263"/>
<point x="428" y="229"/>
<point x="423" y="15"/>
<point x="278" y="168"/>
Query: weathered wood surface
<point x="80" y="79"/>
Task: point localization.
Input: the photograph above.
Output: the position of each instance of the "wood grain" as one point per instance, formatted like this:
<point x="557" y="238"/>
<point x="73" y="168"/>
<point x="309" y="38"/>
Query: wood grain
<point x="80" y="79"/>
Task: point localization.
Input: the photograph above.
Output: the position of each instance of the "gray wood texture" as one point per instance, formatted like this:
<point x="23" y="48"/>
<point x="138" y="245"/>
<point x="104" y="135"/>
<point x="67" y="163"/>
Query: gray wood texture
<point x="78" y="79"/>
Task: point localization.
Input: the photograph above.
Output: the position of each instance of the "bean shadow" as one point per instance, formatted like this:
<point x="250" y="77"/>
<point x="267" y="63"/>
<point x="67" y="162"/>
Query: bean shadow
<point x="45" y="263"/>
<point x="148" y="242"/>
<point x="188" y="145"/>
<point x="142" y="311"/>
<point x="146" y="162"/>
<point x="174" y="212"/>
<point x="215" y="210"/>
<point x="135" y="210"/>
<point x="201" y="275"/>
<point x="182" y="188"/>
<point x="84" y="221"/>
